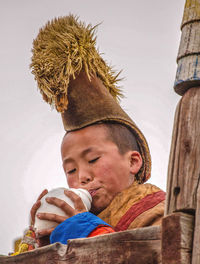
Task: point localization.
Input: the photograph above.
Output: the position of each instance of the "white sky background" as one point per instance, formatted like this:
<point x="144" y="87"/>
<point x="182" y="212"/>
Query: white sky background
<point x="140" y="37"/>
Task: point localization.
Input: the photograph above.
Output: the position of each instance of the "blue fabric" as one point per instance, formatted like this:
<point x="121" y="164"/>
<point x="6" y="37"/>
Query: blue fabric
<point x="77" y="226"/>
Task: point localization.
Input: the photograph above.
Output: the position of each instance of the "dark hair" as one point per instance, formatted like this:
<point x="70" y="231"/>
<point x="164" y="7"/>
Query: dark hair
<point x="121" y="136"/>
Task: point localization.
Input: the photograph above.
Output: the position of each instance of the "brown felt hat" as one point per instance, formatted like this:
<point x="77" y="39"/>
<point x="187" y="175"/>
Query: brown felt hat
<point x="73" y="77"/>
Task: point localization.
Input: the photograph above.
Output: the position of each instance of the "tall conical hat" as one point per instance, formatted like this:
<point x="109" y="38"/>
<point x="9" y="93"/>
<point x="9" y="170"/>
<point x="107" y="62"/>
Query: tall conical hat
<point x="73" y="77"/>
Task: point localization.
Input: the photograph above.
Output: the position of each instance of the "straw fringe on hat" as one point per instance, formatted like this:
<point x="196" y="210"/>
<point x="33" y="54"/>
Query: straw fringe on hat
<point x="72" y="76"/>
<point x="61" y="50"/>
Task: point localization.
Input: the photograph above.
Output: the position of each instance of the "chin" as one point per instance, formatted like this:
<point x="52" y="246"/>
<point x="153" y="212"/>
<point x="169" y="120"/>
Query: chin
<point x="97" y="208"/>
<point x="96" y="211"/>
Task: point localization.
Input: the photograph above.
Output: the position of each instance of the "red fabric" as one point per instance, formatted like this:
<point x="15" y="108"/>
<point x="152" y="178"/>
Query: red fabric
<point x="30" y="247"/>
<point x="143" y="205"/>
<point x="100" y="230"/>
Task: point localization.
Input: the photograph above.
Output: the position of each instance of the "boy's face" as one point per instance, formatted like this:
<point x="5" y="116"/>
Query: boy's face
<point x="92" y="162"/>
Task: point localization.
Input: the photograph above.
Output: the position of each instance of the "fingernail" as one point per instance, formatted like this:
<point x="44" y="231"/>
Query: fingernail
<point x="48" y="199"/>
<point x="39" y="215"/>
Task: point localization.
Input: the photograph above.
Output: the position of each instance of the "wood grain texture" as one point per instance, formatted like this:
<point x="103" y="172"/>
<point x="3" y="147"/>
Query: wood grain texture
<point x="196" y="241"/>
<point x="190" y="40"/>
<point x="188" y="59"/>
<point x="188" y="73"/>
<point x="43" y="255"/>
<point x="184" y="163"/>
<point x="139" y="246"/>
<point x="177" y="238"/>
<point x="191" y="11"/>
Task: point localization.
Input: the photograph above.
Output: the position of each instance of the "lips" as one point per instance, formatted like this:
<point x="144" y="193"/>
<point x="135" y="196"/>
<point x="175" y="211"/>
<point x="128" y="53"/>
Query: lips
<point x="93" y="191"/>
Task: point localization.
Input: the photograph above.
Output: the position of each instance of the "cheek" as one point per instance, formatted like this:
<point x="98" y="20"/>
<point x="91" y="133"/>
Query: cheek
<point x="107" y="175"/>
<point x="102" y="172"/>
<point x="114" y="179"/>
<point x="72" y="182"/>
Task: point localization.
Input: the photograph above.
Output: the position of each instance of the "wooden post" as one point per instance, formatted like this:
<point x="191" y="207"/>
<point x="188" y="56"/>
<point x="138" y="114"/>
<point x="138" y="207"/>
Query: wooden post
<point x="184" y="164"/>
<point x="184" y="167"/>
<point x="183" y="190"/>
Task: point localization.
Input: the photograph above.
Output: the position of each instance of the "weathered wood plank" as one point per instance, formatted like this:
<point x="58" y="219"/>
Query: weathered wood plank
<point x="196" y="241"/>
<point x="139" y="246"/>
<point x="142" y="246"/>
<point x="177" y="238"/>
<point x="170" y="201"/>
<point x="42" y="255"/>
<point x="184" y="164"/>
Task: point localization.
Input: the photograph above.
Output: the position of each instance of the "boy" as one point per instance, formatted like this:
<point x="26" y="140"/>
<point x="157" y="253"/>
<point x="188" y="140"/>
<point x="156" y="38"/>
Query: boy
<point x="95" y="159"/>
<point x="103" y="150"/>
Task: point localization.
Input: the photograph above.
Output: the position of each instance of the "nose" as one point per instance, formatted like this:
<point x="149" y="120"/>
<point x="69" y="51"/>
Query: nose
<point x="85" y="176"/>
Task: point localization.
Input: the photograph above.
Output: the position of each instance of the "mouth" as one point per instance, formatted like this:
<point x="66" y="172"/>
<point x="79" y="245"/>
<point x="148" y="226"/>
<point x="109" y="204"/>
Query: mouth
<point x="93" y="191"/>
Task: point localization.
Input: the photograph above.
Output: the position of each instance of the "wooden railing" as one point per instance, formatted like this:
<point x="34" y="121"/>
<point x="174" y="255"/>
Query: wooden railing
<point x="137" y="246"/>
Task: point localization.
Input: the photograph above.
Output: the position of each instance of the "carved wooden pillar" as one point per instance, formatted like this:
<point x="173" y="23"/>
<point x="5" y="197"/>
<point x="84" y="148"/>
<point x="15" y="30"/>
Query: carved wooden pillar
<point x="184" y="164"/>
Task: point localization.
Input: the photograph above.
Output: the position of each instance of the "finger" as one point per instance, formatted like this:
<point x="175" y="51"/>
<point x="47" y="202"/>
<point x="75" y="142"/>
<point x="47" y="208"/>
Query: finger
<point x="44" y="233"/>
<point x="78" y="203"/>
<point x="62" y="205"/>
<point x="34" y="210"/>
<point x="42" y="194"/>
<point x="52" y="217"/>
<point x="36" y="206"/>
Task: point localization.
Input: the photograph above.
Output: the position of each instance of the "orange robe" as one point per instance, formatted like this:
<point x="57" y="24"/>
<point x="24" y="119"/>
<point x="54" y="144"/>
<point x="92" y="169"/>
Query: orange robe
<point x="139" y="205"/>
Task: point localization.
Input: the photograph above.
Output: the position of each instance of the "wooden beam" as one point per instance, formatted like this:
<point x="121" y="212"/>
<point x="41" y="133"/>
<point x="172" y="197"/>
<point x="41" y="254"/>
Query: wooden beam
<point x="196" y="242"/>
<point x="177" y="238"/>
<point x="184" y="163"/>
<point x="139" y="246"/>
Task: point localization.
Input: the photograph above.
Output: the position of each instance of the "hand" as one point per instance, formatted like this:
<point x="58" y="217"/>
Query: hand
<point x="42" y="241"/>
<point x="36" y="206"/>
<point x="78" y="204"/>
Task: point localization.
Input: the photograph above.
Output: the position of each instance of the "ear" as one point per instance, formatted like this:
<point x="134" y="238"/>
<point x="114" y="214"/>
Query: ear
<point x="135" y="162"/>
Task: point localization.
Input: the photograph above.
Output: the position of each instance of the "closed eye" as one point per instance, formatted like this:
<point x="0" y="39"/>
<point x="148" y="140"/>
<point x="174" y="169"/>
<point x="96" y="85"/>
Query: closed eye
<point x="71" y="171"/>
<point x="93" y="160"/>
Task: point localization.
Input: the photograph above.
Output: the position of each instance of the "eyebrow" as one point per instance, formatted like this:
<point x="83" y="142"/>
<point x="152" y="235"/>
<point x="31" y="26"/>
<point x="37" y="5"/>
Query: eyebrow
<point x="86" y="151"/>
<point x="83" y="153"/>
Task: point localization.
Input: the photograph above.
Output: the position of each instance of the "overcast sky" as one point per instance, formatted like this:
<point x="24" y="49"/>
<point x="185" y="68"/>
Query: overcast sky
<point x="140" y="37"/>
